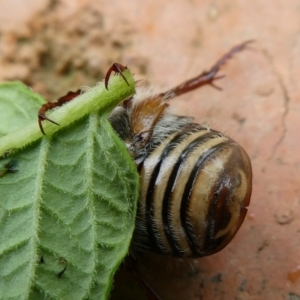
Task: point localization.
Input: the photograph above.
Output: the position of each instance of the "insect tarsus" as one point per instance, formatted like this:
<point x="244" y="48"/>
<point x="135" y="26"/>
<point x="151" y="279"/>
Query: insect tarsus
<point x="45" y="107"/>
<point x="118" y="69"/>
<point x="206" y="77"/>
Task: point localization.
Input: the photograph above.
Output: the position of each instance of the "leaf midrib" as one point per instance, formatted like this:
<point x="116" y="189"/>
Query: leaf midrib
<point x="92" y="130"/>
<point x="37" y="197"/>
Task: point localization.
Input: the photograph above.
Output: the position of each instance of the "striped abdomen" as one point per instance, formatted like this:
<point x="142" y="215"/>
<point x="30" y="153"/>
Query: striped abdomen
<point x="195" y="186"/>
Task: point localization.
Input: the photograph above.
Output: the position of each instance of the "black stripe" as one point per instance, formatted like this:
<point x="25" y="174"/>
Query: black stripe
<point x="140" y="165"/>
<point x="218" y="215"/>
<point x="170" y="187"/>
<point x="190" y="128"/>
<point x="186" y="197"/>
<point x="220" y="197"/>
<point x="149" y="210"/>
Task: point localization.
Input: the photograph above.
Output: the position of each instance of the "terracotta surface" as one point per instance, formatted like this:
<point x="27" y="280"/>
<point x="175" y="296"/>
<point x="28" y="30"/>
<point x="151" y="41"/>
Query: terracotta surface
<point x="56" y="46"/>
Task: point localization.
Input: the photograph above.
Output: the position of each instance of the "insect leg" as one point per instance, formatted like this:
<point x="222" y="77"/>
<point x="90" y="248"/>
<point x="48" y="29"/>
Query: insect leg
<point x="118" y="69"/>
<point x="206" y="77"/>
<point x="45" y="107"/>
<point x="131" y="266"/>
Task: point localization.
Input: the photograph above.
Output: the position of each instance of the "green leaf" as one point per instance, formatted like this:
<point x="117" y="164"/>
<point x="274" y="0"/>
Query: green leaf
<point x="71" y="205"/>
<point x="18" y="106"/>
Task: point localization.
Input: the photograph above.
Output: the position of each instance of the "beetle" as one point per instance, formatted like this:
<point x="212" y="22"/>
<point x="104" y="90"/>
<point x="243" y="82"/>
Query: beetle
<point x="195" y="182"/>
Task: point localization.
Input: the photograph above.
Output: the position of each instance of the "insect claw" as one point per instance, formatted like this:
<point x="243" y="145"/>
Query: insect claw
<point x="41" y="126"/>
<point x="118" y="69"/>
<point x="61" y="101"/>
<point x="216" y="86"/>
<point x="124" y="78"/>
<point x="213" y="79"/>
<point x="41" y="119"/>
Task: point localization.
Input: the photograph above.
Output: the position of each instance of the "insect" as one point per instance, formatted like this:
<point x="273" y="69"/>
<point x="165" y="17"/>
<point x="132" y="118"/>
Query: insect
<point x="195" y="182"/>
<point x="10" y="167"/>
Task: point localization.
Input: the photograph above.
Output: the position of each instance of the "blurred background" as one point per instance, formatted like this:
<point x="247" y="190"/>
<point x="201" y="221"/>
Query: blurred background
<point x="59" y="45"/>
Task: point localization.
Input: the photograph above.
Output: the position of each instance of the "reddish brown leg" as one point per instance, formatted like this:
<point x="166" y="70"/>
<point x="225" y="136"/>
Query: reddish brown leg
<point x="62" y="100"/>
<point x="118" y="69"/>
<point x="207" y="77"/>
